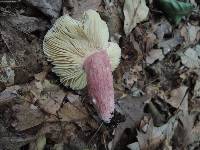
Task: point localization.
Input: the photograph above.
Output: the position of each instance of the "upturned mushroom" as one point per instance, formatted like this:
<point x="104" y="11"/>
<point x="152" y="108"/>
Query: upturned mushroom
<point x="82" y="55"/>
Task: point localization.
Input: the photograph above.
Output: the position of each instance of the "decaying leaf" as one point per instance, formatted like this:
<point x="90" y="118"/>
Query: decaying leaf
<point x="9" y="95"/>
<point x="73" y="112"/>
<point x="25" y="24"/>
<point x="190" y="33"/>
<point x="196" y="132"/>
<point x="38" y="144"/>
<point x="73" y="98"/>
<point x="15" y="142"/>
<point x="131" y="77"/>
<point x="197" y="89"/>
<point x="170" y="44"/>
<point x="7" y="72"/>
<point x="190" y="58"/>
<point x="157" y="134"/>
<point x="48" y="7"/>
<point x="178" y="98"/>
<point x="79" y="7"/>
<point x="49" y="96"/>
<point x="134" y="146"/>
<point x="135" y="11"/>
<point x="20" y="49"/>
<point x="161" y="28"/>
<point x="153" y="55"/>
<point x="27" y="116"/>
<point x="132" y="108"/>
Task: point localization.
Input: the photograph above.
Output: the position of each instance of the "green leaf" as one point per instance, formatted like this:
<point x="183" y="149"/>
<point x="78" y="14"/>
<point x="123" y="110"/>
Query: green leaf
<point x="175" y="10"/>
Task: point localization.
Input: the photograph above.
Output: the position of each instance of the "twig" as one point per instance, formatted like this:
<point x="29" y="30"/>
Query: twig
<point x="12" y="67"/>
<point x="95" y="134"/>
<point x="186" y="92"/>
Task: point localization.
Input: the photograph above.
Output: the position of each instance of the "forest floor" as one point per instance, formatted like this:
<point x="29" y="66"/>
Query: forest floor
<point x="157" y="83"/>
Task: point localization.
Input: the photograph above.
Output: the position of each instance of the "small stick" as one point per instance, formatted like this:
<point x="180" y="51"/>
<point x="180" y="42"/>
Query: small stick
<point x="95" y="134"/>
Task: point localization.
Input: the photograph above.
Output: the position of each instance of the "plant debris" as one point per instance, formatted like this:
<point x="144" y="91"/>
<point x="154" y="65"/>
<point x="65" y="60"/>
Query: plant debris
<point x="156" y="84"/>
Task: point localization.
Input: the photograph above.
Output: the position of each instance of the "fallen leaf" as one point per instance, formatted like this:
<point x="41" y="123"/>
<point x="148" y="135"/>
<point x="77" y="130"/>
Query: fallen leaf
<point x="154" y="136"/>
<point x="51" y="103"/>
<point x="38" y="144"/>
<point x="170" y="44"/>
<point x="134" y="146"/>
<point x="149" y="41"/>
<point x="153" y="55"/>
<point x="190" y="33"/>
<point x="175" y="10"/>
<point x="178" y="98"/>
<point x="131" y="77"/>
<point x="59" y="146"/>
<point x="197" y="89"/>
<point x="15" y="142"/>
<point x="196" y="132"/>
<point x="7" y="72"/>
<point x="27" y="117"/>
<point x="79" y="7"/>
<point x="136" y="92"/>
<point x="132" y="108"/>
<point x="73" y="98"/>
<point x="48" y="7"/>
<point x="190" y="58"/>
<point x="40" y="76"/>
<point x="9" y="95"/>
<point x="135" y="11"/>
<point x="27" y="54"/>
<point x="162" y="28"/>
<point x="49" y="96"/>
<point x="26" y="24"/>
<point x="183" y="133"/>
<point x="41" y="142"/>
<point x="112" y="14"/>
<point x="72" y="112"/>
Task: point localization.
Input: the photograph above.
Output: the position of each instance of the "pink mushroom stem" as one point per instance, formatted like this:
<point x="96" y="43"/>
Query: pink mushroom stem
<point x="100" y="83"/>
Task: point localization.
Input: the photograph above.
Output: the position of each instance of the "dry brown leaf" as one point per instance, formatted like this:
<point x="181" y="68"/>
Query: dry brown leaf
<point x="27" y="116"/>
<point x="153" y="55"/>
<point x="48" y="96"/>
<point x="26" y="24"/>
<point x="154" y="136"/>
<point x="183" y="133"/>
<point x="132" y="108"/>
<point x="49" y="8"/>
<point x="190" y="33"/>
<point x="162" y="28"/>
<point x="72" y="112"/>
<point x="190" y="58"/>
<point x="9" y="95"/>
<point x="26" y="53"/>
<point x="51" y="103"/>
<point x="149" y="41"/>
<point x="73" y="98"/>
<point x="170" y="44"/>
<point x="40" y="76"/>
<point x="179" y="98"/>
<point x="79" y="7"/>
<point x="131" y="77"/>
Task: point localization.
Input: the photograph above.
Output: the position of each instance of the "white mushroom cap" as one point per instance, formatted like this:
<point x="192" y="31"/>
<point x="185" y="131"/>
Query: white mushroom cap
<point x="69" y="42"/>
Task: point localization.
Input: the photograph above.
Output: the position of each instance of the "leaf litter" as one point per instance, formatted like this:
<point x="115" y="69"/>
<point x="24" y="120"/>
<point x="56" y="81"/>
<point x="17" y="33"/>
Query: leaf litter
<point x="156" y="84"/>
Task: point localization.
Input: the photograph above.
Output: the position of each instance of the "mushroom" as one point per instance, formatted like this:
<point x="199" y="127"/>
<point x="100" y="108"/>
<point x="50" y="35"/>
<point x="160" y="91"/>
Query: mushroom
<point x="82" y="55"/>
